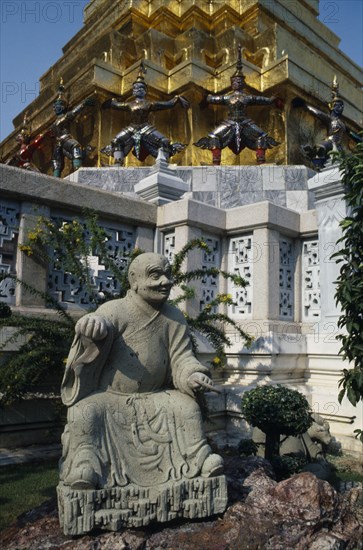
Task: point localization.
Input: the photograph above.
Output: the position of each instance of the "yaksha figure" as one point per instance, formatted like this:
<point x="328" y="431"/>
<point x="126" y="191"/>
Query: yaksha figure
<point x="66" y="145"/>
<point x="337" y="129"/>
<point x="140" y="135"/>
<point x="133" y="420"/>
<point x="238" y="131"/>
<point x="24" y="157"/>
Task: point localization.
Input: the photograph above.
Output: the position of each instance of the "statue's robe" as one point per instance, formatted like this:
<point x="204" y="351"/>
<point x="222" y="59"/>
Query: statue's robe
<point x="132" y="414"/>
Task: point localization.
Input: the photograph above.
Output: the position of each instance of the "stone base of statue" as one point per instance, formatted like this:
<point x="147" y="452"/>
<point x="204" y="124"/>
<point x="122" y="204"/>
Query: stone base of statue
<point x="81" y="511"/>
<point x="220" y="186"/>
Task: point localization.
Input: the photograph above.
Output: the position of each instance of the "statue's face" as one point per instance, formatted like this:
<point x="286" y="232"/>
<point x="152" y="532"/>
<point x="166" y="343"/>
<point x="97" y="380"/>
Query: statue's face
<point x="139" y="90"/>
<point x="338" y="108"/>
<point x="237" y="83"/>
<point x="59" y="107"/>
<point x="151" y="278"/>
<point x="23" y="139"/>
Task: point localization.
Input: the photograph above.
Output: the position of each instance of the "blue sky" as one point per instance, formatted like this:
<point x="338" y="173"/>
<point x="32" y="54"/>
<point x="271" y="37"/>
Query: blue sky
<point x="33" y="33"/>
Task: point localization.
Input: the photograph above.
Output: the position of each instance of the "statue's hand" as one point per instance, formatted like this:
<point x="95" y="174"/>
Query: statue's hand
<point x="184" y="102"/>
<point x="93" y="327"/>
<point x="279" y="103"/>
<point x="89" y="102"/>
<point x="108" y="103"/>
<point x="200" y="382"/>
<point x="298" y="102"/>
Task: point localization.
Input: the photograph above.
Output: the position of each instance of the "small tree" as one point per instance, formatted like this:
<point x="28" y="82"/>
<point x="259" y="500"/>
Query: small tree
<point x="276" y="410"/>
<point x="349" y="292"/>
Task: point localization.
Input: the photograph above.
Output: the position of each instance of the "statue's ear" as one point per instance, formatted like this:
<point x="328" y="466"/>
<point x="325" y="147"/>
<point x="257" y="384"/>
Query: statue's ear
<point x="133" y="281"/>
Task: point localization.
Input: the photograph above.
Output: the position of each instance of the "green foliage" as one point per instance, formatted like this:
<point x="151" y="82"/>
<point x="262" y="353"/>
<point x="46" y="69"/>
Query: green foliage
<point x="288" y="465"/>
<point x="43" y="349"/>
<point x="247" y="447"/>
<point x="276" y="410"/>
<point x="349" y="292"/>
<point x="68" y="246"/>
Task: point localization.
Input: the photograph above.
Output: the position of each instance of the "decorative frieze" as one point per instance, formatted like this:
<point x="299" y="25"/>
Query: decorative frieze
<point x="240" y="262"/>
<point x="9" y="230"/>
<point x="310" y="281"/>
<point x="287" y="264"/>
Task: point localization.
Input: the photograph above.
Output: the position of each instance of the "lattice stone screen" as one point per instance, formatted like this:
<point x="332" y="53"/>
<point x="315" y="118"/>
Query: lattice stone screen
<point x="169" y="246"/>
<point x="9" y="230"/>
<point x="287" y="265"/>
<point x="240" y="262"/>
<point x="68" y="289"/>
<point x="310" y="280"/>
<point x="209" y="283"/>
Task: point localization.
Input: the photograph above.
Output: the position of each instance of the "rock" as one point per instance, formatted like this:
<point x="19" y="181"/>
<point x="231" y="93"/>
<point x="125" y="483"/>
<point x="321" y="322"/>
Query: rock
<point x="299" y="513"/>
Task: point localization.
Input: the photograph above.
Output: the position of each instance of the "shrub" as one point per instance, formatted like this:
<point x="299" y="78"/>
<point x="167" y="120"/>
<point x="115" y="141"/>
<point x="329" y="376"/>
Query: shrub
<point x="247" y="447"/>
<point x="276" y="410"/>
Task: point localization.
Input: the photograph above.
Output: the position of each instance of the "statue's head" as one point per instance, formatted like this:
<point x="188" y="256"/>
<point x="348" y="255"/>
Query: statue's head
<point x="139" y="87"/>
<point x="237" y="83"/>
<point x="238" y="79"/>
<point x="139" y="90"/>
<point x="60" y="104"/>
<point x="150" y="277"/>
<point x="23" y="137"/>
<point x="59" y="107"/>
<point x="320" y="430"/>
<point x="337" y="107"/>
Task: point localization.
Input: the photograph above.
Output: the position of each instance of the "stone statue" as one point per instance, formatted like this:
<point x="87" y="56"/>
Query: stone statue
<point x="140" y="135"/>
<point x="27" y="147"/>
<point x="134" y="445"/>
<point x="238" y="131"/>
<point x="337" y="129"/>
<point x="66" y="145"/>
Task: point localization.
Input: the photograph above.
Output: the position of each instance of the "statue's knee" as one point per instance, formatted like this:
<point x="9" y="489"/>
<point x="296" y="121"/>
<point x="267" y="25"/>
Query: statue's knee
<point x="85" y="413"/>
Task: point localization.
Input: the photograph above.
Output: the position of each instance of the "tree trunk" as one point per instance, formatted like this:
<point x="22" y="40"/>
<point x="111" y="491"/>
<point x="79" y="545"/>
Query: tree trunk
<point x="272" y="445"/>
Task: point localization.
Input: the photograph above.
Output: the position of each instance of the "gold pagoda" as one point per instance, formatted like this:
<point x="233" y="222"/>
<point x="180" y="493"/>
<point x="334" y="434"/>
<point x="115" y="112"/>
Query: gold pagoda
<point x="189" y="47"/>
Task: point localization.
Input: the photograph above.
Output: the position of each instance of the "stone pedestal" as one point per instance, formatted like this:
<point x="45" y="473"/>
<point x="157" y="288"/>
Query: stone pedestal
<point x="161" y="185"/>
<point x="80" y="511"/>
<point x="220" y="186"/>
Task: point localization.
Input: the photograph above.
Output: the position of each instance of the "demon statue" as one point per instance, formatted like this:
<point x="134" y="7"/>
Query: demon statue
<point x="237" y="131"/>
<point x="134" y="450"/>
<point x="66" y="145"/>
<point x="27" y="147"/>
<point x="140" y="136"/>
<point x="318" y="154"/>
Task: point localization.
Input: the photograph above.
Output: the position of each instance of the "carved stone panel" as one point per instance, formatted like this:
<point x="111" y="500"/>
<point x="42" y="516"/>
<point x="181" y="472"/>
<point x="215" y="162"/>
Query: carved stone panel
<point x="287" y="263"/>
<point x="9" y="230"/>
<point x="311" y="280"/>
<point x="209" y="283"/>
<point x="240" y="262"/>
<point x="68" y="289"/>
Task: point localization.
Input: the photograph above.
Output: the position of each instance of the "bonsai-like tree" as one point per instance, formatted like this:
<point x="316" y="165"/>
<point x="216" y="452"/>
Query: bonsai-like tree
<point x="276" y="410"/>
